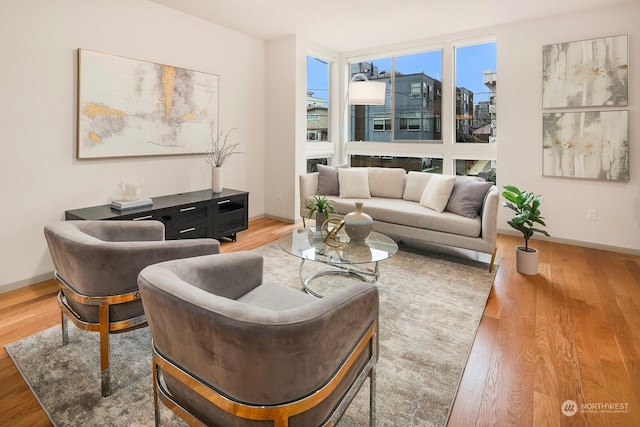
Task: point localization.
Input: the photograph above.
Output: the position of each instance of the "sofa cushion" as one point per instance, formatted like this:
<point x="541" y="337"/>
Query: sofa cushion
<point x="467" y="197"/>
<point x="386" y="182"/>
<point x="415" y="185"/>
<point x="411" y="214"/>
<point x="436" y="193"/>
<point x="354" y="183"/>
<point x="328" y="180"/>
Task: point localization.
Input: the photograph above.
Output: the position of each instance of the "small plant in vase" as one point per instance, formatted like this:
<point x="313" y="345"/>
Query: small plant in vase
<point x="322" y="207"/>
<point x="526" y="206"/>
<point x="217" y="156"/>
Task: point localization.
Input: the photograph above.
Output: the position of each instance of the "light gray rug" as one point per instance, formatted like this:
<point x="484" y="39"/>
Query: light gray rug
<point x="430" y="308"/>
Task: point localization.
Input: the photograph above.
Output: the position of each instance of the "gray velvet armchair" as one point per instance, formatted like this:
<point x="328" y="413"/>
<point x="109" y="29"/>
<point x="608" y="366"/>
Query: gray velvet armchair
<point x="97" y="265"/>
<point x="231" y="349"/>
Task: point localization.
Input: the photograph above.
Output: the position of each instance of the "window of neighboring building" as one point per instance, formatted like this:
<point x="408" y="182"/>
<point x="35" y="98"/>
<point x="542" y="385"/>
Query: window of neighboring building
<point x="381" y="122"/>
<point x="416" y="89"/>
<point x="410" y="121"/>
<point x="317" y="99"/>
<point x="475" y="82"/>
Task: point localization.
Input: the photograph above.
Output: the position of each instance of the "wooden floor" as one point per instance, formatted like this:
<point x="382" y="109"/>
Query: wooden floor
<point x="570" y="333"/>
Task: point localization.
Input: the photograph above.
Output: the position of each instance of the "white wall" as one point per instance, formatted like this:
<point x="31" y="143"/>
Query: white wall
<point x="520" y="130"/>
<point x="39" y="175"/>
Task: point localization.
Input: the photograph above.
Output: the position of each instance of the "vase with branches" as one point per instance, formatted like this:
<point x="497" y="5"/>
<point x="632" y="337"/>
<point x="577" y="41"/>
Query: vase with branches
<point x="220" y="151"/>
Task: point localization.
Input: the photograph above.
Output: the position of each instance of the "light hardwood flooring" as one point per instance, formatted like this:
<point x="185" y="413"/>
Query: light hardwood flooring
<point x="570" y="333"/>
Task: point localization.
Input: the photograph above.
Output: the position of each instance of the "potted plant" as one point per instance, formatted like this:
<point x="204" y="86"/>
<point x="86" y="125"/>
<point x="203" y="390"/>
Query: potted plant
<point x="322" y="207"/>
<point x="219" y="153"/>
<point x="526" y="206"/>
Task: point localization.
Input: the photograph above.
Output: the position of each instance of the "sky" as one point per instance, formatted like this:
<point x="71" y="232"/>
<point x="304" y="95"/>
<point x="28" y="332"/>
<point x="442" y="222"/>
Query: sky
<point x="471" y="62"/>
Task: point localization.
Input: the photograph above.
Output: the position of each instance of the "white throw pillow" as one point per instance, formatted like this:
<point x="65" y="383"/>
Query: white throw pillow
<point x="436" y="193"/>
<point x="386" y="182"/>
<point x="354" y="183"/>
<point x="415" y="185"/>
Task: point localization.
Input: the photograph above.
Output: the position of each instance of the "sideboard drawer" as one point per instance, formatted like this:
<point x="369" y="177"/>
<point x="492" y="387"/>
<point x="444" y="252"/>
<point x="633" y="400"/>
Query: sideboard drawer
<point x="189" y="231"/>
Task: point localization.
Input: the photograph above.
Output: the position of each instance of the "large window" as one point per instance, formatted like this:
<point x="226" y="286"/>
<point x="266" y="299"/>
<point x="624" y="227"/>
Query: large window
<point x="317" y="99"/>
<point x="413" y="104"/>
<point x="476" y="93"/>
<point x="440" y="104"/>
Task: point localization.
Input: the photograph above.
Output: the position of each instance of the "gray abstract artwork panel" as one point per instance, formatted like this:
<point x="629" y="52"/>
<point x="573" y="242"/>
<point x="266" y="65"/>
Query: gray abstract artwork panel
<point x="589" y="144"/>
<point x="587" y="73"/>
<point x="128" y="107"/>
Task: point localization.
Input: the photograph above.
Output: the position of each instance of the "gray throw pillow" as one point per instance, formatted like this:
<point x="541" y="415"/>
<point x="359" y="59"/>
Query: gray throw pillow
<point x="467" y="197"/>
<point x="328" y="180"/>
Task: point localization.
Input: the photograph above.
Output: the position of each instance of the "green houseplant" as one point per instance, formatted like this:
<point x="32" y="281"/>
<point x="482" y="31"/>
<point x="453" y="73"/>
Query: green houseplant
<point x="526" y="206"/>
<point x="322" y="207"/>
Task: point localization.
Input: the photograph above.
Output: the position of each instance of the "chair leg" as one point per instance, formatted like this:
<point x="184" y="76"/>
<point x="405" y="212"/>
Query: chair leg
<point x="105" y="378"/>
<point x="372" y="397"/>
<point x="65" y="328"/>
<point x="156" y="407"/>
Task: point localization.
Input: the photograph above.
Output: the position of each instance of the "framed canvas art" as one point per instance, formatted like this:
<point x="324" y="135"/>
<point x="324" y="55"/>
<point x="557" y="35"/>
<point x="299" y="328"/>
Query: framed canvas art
<point x="586" y="144"/>
<point x="128" y="107"/>
<point x="587" y="73"/>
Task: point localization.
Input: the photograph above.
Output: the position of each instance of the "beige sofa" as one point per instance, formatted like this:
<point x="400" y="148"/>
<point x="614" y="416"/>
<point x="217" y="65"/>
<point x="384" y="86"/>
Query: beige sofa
<point x="440" y="209"/>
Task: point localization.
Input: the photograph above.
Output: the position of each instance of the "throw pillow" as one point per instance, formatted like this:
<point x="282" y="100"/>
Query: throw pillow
<point x="328" y="180"/>
<point x="386" y="182"/>
<point x="354" y="183"/>
<point x="467" y="197"/>
<point x="436" y="193"/>
<point x="416" y="183"/>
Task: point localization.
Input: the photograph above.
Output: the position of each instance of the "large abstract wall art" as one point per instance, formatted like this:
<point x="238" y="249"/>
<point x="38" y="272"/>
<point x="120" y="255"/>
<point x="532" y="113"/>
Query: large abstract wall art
<point x="128" y="107"/>
<point x="587" y="144"/>
<point x="587" y="73"/>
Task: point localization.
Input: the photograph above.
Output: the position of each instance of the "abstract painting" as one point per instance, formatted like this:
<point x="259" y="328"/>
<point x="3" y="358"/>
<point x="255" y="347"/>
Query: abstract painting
<point x="128" y="107"/>
<point x="588" y="144"/>
<point x="587" y="73"/>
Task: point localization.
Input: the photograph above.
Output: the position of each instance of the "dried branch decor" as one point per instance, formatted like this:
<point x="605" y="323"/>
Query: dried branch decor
<point x="221" y="149"/>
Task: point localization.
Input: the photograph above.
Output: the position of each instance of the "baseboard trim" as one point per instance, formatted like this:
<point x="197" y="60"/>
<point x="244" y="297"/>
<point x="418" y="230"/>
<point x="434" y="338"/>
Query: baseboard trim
<point x="590" y="245"/>
<point x="8" y="287"/>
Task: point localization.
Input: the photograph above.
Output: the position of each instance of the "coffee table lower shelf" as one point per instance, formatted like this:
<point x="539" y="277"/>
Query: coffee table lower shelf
<point x="369" y="275"/>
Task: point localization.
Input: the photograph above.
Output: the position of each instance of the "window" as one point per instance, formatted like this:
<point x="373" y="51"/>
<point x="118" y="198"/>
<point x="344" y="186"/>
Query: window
<point x="418" y="164"/>
<point x="381" y="122"/>
<point x="317" y="99"/>
<point x="415" y="131"/>
<point x="416" y="90"/>
<point x="485" y="169"/>
<point x="414" y="82"/>
<point x="312" y="164"/>
<point x="410" y="121"/>
<point x="475" y="74"/>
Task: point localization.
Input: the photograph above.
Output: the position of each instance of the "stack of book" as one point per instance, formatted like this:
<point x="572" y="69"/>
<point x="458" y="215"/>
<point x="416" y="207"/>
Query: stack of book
<point x="130" y="204"/>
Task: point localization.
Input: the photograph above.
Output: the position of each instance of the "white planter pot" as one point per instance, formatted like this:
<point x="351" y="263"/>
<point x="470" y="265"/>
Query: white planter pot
<point x="527" y="262"/>
<point x="216" y="179"/>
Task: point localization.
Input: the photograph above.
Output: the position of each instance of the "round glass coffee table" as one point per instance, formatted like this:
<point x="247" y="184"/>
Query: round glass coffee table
<point x="357" y="259"/>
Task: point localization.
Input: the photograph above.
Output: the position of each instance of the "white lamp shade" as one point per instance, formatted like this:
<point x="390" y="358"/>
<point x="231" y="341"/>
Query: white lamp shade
<point x="367" y="93"/>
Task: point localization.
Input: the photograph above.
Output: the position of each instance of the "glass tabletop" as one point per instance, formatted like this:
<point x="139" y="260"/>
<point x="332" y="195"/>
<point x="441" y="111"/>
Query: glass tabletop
<point x="306" y="243"/>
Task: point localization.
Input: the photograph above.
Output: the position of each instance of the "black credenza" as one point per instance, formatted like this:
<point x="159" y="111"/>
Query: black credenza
<point x="185" y="216"/>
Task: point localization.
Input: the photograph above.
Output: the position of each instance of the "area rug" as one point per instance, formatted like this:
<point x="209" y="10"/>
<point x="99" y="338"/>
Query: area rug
<point x="430" y="308"/>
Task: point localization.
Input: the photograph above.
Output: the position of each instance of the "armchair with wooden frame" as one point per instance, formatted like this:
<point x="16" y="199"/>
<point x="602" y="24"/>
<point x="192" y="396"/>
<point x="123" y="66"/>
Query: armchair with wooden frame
<point x="233" y="349"/>
<point x="96" y="267"/>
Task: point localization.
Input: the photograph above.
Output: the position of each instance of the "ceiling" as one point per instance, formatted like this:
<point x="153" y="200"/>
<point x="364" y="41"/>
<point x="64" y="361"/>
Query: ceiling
<point x="347" y="25"/>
